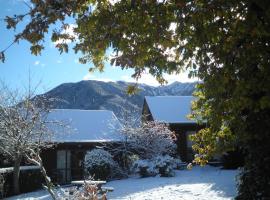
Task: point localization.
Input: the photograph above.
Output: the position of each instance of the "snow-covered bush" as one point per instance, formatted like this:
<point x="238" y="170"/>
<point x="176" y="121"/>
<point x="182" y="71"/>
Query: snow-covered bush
<point x="166" y="164"/>
<point x="100" y="165"/>
<point x="148" y="140"/>
<point x="152" y="139"/>
<point x="162" y="165"/>
<point x="145" y="168"/>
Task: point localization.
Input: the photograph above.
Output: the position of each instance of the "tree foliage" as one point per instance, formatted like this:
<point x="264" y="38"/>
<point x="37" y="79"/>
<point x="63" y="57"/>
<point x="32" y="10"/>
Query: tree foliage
<point x="227" y="39"/>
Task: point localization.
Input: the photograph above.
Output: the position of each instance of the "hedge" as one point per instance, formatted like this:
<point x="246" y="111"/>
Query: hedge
<point x="30" y="179"/>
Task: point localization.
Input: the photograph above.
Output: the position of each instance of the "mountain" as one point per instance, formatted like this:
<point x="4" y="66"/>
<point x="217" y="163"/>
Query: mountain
<point x="95" y="95"/>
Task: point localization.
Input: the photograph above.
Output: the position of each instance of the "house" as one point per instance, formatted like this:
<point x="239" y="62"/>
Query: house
<point x="84" y="130"/>
<point x="173" y="110"/>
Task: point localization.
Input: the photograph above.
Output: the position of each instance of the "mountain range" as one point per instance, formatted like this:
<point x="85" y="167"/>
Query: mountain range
<point x="98" y="95"/>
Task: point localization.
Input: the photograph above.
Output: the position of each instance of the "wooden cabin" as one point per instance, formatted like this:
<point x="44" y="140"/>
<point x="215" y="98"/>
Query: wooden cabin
<point x="173" y="110"/>
<point x="84" y="130"/>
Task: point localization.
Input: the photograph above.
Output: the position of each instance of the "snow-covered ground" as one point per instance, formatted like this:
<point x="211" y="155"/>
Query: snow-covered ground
<point x="207" y="183"/>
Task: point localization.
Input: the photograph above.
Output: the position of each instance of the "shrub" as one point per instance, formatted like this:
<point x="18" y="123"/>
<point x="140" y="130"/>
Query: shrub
<point x="233" y="159"/>
<point x="153" y="139"/>
<point x="30" y="179"/>
<point x="2" y="182"/>
<point x="4" y="161"/>
<point x="100" y="165"/>
<point x="145" y="168"/>
<point x="162" y="165"/>
<point x="147" y="141"/>
<point x="166" y="164"/>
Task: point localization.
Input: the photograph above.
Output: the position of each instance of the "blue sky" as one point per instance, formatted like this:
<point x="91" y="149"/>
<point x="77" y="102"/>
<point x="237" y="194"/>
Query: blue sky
<point x="51" y="68"/>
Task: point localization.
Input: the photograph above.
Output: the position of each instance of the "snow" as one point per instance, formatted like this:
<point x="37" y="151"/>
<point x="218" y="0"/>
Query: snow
<point x="86" y="125"/>
<point x="197" y="184"/>
<point x="10" y="169"/>
<point x="98" y="157"/>
<point x="162" y="165"/>
<point x="170" y="109"/>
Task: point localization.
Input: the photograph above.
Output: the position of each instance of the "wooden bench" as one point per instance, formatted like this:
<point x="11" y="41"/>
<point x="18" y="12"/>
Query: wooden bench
<point x="182" y="165"/>
<point x="81" y="182"/>
<point x="101" y="189"/>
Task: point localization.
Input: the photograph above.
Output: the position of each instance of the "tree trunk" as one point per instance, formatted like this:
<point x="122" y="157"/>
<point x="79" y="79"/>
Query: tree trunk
<point x="49" y="184"/>
<point x="16" y="174"/>
<point x="36" y="160"/>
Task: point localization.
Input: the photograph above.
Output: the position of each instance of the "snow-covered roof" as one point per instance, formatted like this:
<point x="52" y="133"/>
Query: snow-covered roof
<point x="170" y="109"/>
<point x="86" y="125"/>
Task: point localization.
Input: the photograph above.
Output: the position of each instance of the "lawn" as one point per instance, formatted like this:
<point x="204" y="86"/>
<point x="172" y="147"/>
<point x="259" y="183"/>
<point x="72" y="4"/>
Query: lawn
<point x="209" y="183"/>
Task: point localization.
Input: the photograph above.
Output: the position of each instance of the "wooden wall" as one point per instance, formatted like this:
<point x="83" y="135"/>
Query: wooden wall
<point x="49" y="157"/>
<point x="181" y="134"/>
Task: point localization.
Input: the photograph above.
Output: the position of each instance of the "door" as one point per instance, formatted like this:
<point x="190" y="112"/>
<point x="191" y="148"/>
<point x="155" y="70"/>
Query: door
<point x="77" y="169"/>
<point x="190" y="153"/>
<point x="63" y="166"/>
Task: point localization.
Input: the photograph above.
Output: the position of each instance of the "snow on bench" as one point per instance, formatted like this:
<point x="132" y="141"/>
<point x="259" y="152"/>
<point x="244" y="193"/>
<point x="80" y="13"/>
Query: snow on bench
<point x="99" y="184"/>
<point x="81" y="182"/>
<point x="182" y="165"/>
<point x="107" y="189"/>
<point x="10" y="169"/>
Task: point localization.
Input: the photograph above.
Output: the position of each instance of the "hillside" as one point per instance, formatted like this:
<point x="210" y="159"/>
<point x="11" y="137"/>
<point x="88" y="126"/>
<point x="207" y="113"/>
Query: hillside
<point x="95" y="95"/>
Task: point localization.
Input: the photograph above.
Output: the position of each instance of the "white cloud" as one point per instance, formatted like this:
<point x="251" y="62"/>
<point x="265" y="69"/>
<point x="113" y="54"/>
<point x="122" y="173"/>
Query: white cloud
<point x="172" y="26"/>
<point x="70" y="31"/>
<point x="145" y="79"/>
<point x="90" y="76"/>
<point x="60" y="60"/>
<point x="182" y="77"/>
<point x="114" y="1"/>
<point x="148" y="79"/>
<point x="37" y="62"/>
